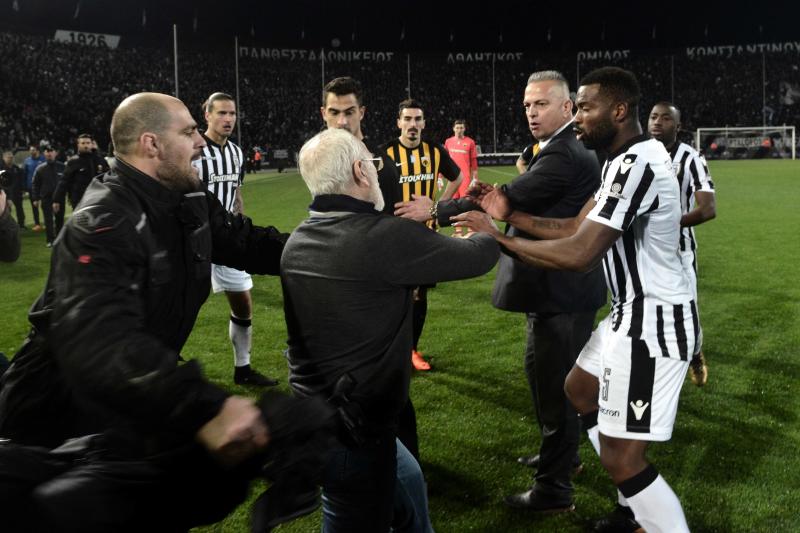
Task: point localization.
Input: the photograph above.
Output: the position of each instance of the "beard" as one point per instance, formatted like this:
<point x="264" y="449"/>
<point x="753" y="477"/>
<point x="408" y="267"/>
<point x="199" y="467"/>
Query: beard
<point x="178" y="178"/>
<point x="600" y="137"/>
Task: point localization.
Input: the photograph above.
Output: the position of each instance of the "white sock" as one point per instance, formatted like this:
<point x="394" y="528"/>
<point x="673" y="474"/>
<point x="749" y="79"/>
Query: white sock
<point x="241" y="334"/>
<point x="655" y="506"/>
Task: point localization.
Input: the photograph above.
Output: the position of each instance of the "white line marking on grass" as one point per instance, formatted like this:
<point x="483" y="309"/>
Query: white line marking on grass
<point x="501" y="172"/>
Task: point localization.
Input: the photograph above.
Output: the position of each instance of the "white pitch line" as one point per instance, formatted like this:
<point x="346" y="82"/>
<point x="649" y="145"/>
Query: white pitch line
<point x="501" y="172"/>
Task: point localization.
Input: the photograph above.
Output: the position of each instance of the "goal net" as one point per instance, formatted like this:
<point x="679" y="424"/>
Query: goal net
<point x="758" y="142"/>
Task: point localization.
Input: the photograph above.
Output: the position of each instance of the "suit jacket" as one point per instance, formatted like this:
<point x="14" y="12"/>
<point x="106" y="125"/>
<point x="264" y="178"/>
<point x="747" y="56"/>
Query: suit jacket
<point x="559" y="181"/>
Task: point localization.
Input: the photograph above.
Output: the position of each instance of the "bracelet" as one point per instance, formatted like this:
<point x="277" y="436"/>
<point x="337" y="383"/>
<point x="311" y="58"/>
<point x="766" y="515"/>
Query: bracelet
<point x="434" y="211"/>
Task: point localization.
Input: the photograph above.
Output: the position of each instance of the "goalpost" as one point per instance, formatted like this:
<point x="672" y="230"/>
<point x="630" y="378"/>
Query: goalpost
<point x="756" y="142"/>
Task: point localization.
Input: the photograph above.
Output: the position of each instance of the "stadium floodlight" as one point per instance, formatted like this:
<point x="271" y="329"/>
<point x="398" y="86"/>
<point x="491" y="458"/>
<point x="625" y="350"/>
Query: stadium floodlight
<point x="756" y="142"/>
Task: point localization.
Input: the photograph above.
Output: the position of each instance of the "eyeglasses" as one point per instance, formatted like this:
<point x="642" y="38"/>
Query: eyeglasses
<point x="377" y="161"/>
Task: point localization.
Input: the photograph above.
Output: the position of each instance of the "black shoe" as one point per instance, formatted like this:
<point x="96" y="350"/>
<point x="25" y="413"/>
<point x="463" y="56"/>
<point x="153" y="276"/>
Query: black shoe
<point x="532" y="461"/>
<point x="620" y="520"/>
<point x="245" y="375"/>
<point x="539" y="503"/>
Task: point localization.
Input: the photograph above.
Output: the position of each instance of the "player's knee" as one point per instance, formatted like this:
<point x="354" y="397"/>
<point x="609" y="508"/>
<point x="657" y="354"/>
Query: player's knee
<point x="621" y="462"/>
<point x="581" y="392"/>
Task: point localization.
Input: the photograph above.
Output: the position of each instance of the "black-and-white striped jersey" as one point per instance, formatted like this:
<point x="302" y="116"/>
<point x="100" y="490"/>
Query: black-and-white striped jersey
<point x="222" y="170"/>
<point x="691" y="170"/>
<point x="651" y="296"/>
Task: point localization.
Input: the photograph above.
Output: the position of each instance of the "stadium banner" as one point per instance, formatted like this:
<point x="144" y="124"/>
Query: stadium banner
<point x="790" y="47"/>
<point x="87" y="39"/>
<point x="496" y="160"/>
<point x="605" y="55"/>
<point x="473" y="57"/>
<point x="294" y="54"/>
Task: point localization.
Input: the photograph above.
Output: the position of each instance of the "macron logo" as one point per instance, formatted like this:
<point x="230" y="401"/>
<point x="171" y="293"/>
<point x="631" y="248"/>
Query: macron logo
<point x="639" y="408"/>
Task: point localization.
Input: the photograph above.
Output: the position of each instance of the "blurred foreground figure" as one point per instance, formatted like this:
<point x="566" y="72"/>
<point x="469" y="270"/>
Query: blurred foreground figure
<point x="165" y="448"/>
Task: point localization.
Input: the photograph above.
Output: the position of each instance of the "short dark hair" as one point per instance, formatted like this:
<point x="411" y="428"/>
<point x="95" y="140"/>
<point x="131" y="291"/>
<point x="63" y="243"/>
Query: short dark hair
<point x="49" y="149"/>
<point x="460" y="121"/>
<point x="208" y="105"/>
<point x="409" y="103"/>
<point x="342" y="86"/>
<point x="618" y="84"/>
<point x="85" y="136"/>
<point x="666" y="103"/>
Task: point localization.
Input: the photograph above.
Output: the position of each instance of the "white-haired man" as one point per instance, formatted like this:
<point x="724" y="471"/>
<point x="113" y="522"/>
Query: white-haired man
<point x="365" y="264"/>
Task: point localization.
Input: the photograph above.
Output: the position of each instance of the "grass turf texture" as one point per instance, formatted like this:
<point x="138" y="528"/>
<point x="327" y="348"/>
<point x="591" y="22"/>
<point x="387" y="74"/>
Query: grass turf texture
<point x="733" y="456"/>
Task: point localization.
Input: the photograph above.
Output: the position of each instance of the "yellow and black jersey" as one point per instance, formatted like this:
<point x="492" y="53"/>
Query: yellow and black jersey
<point x="417" y="170"/>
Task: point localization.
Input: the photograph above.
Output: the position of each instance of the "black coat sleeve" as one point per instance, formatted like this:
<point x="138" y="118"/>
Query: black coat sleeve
<point x="239" y="244"/>
<point x="450" y="208"/>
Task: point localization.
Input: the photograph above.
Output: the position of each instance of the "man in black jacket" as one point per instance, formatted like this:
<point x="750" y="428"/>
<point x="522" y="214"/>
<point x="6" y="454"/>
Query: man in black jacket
<point x="45" y="181"/>
<point x="78" y="174"/>
<point x="129" y="274"/>
<point x="12" y="180"/>
<point x="560" y="306"/>
<point x="9" y="233"/>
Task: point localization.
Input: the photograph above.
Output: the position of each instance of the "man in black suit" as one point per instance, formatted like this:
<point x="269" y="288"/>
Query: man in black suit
<point x="560" y="306"/>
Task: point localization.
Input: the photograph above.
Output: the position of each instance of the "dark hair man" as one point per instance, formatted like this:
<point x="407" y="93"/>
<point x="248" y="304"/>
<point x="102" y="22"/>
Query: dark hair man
<point x="78" y="174"/>
<point x="559" y="306"/>
<point x="368" y="263"/>
<point x="31" y="162"/>
<point x="698" y="204"/>
<point x="12" y="180"/>
<point x="45" y="182"/>
<point x="629" y="375"/>
<point x="343" y="108"/>
<point x="129" y="274"/>
<point x="222" y="171"/>
<point x="419" y="164"/>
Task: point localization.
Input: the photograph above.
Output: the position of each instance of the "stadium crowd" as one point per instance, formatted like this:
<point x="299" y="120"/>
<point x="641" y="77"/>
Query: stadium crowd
<point x="47" y="85"/>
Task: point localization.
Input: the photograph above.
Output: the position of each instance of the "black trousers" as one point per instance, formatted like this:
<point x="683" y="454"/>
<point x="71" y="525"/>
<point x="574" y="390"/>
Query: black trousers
<point x="554" y="342"/>
<point x="35" y="211"/>
<point x="15" y="195"/>
<point x="46" y="491"/>
<point x="53" y="222"/>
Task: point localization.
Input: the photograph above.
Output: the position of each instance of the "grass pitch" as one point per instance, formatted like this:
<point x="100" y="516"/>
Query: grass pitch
<point x="733" y="456"/>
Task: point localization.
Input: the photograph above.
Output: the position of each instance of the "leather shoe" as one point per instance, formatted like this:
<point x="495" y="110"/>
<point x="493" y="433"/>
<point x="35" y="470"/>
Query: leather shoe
<point x="532" y="461"/>
<point x="620" y="520"/>
<point x="539" y="503"/>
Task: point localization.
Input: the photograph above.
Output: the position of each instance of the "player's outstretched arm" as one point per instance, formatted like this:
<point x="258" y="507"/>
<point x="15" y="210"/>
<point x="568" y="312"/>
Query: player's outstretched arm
<point x="704" y="210"/>
<point x="580" y="252"/>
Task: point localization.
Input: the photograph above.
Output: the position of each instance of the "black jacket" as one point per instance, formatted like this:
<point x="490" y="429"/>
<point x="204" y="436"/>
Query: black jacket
<point x="559" y="181"/>
<point x="12" y="180"/>
<point x="45" y="180"/>
<point x="128" y="276"/>
<point x="9" y="236"/>
<point x="77" y="176"/>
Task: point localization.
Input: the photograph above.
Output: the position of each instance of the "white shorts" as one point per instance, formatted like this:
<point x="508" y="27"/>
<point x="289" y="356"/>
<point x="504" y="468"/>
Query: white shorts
<point x="229" y="279"/>
<point x="638" y="393"/>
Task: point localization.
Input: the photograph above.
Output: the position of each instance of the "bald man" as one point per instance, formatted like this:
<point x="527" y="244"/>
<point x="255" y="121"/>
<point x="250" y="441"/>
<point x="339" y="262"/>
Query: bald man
<point x="129" y="274"/>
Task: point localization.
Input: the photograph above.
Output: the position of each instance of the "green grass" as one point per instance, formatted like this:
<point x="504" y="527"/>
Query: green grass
<point x="733" y="456"/>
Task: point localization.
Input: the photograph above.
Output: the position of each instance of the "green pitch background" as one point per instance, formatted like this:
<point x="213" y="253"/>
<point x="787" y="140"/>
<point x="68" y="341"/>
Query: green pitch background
<point x="733" y="459"/>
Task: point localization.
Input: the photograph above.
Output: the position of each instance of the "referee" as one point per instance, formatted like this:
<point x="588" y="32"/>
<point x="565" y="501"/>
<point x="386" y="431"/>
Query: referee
<point x="222" y="170"/>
